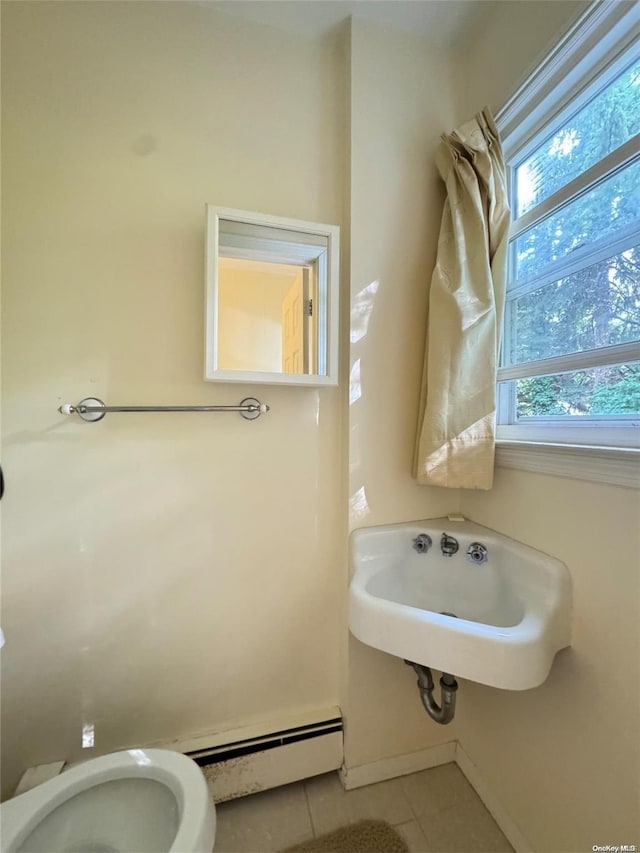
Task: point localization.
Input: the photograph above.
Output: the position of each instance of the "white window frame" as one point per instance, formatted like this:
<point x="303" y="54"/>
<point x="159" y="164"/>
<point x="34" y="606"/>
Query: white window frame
<point x="594" y="51"/>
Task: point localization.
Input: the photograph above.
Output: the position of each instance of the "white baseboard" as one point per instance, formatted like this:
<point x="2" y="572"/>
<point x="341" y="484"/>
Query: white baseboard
<point x="397" y="765"/>
<point x="513" y="834"/>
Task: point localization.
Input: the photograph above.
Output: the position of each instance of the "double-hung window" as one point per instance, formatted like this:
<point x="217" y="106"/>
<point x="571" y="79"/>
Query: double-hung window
<point x="570" y="361"/>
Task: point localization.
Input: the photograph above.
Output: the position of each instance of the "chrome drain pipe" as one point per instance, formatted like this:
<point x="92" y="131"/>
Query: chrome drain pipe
<point x="444" y="713"/>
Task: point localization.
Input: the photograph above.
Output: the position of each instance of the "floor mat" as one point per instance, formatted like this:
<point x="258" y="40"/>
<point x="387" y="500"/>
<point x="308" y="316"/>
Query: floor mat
<point x="367" y="836"/>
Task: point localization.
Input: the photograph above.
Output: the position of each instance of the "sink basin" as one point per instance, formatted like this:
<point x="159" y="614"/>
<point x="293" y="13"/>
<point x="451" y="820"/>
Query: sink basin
<point x="499" y="622"/>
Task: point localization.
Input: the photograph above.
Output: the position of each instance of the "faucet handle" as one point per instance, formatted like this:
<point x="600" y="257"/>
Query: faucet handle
<point x="477" y="553"/>
<point x="422" y="543"/>
<point x="448" y="545"/>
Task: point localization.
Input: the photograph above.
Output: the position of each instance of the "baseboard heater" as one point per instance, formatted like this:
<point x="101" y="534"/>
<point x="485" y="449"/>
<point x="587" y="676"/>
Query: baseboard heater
<point x="275" y="758"/>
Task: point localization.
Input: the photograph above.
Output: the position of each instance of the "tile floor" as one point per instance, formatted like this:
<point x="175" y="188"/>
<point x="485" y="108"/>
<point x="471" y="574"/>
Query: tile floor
<point x="436" y="811"/>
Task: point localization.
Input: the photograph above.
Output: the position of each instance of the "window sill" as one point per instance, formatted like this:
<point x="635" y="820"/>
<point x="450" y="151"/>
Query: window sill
<point x="617" y="466"/>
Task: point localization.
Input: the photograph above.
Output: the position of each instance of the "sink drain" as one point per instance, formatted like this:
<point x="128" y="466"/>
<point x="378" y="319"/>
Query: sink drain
<point x="446" y="613"/>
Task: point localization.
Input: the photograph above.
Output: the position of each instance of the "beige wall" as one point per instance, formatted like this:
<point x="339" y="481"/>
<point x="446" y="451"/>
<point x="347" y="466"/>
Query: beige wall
<point x="401" y="99"/>
<point x="507" y="43"/>
<point x="148" y="527"/>
<point x="563" y="760"/>
<point x="162" y="574"/>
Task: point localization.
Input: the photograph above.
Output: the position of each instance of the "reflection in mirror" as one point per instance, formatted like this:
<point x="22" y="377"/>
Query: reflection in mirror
<point x="271" y="299"/>
<point x="265" y="316"/>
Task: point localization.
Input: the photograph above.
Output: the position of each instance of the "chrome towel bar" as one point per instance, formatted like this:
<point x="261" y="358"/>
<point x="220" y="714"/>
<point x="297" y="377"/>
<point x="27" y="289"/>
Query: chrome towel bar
<point x="93" y="409"/>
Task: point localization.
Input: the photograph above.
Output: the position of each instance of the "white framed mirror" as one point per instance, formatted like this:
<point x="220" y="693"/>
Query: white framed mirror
<point x="271" y="299"/>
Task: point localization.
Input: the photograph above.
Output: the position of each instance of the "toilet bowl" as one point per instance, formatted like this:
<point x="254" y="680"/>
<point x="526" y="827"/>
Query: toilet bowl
<point x="138" y="801"/>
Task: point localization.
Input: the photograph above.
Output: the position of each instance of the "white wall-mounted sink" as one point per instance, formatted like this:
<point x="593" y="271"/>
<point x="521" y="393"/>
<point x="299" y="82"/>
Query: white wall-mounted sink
<point x="512" y="612"/>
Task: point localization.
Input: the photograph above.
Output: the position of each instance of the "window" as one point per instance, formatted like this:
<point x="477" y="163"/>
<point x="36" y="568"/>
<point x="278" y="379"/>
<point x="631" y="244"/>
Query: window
<point x="570" y="362"/>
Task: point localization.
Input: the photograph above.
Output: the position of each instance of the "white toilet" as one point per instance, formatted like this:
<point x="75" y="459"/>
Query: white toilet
<point x="138" y="801"/>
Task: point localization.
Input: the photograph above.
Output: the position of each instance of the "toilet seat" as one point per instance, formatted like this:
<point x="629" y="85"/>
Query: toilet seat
<point x="80" y="806"/>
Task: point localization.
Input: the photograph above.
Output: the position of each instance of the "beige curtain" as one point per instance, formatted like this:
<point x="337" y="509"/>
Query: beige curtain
<point x="456" y="430"/>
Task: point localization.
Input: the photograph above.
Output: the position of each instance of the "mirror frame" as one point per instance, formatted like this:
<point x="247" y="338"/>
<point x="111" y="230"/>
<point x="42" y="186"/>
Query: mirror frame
<point x="329" y="299"/>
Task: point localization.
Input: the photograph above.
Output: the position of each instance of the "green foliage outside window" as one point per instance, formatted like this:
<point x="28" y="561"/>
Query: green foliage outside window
<point x="600" y="305"/>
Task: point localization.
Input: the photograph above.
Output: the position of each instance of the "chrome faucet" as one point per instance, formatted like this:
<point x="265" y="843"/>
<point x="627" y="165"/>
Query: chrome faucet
<point x="477" y="553"/>
<point x="448" y="545"/>
<point x="422" y="543"/>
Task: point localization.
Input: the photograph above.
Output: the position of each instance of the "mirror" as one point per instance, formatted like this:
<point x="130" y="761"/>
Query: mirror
<point x="271" y="299"/>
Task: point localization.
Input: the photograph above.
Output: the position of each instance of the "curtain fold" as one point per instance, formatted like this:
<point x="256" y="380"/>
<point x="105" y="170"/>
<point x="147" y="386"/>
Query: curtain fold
<point x="455" y="443"/>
